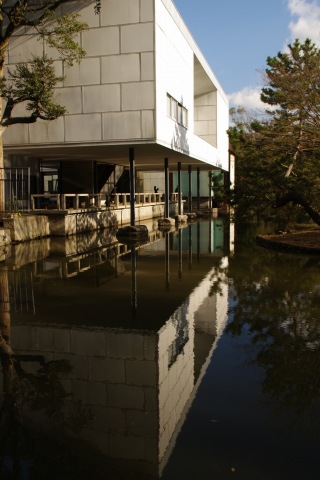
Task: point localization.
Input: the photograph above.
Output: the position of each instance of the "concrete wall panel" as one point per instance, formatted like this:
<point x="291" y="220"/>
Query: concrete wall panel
<point x="101" y="98"/>
<point x="21" y="48"/>
<point x="16" y="135"/>
<point x="147" y="66"/>
<point x="87" y="73"/>
<point x="119" y="12"/>
<point x="101" y="41"/>
<point x="83" y="128"/>
<point x="121" y="126"/>
<point x="120" y="68"/>
<point x="148" y="130"/>
<point x="70" y="98"/>
<point x="138" y="96"/>
<point x="137" y="38"/>
<point x="47" y="131"/>
<point x="147" y="11"/>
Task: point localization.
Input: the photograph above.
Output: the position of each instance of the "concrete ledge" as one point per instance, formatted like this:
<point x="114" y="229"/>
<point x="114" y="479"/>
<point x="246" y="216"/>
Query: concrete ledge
<point x="64" y="223"/>
<point x="5" y="238"/>
<point x="27" y="227"/>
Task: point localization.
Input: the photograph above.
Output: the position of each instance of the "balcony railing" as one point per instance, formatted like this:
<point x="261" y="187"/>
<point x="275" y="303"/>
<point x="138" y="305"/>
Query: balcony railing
<point x="84" y="201"/>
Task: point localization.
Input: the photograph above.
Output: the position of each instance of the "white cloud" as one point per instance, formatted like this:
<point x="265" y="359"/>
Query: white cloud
<point x="248" y="97"/>
<point x="306" y="23"/>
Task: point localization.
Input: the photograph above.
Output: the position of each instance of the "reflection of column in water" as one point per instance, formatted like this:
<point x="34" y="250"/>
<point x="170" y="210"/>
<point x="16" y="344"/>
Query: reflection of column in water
<point x="198" y="241"/>
<point x="167" y="240"/>
<point x="180" y="252"/>
<point x="210" y="233"/>
<point x="4" y="305"/>
<point x="22" y="292"/>
<point x="190" y="245"/>
<point x="134" y="295"/>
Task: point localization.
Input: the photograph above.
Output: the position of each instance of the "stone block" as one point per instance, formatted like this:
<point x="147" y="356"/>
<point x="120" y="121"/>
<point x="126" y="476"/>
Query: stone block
<point x="141" y="372"/>
<point x="86" y="73"/>
<point x="147" y="11"/>
<point x="101" y="98"/>
<point x="147" y="66"/>
<point x="148" y="130"/>
<point x="117" y="13"/>
<point x="90" y="393"/>
<point x="151" y="347"/>
<point x="137" y="38"/>
<point x="85" y="342"/>
<point x="53" y="339"/>
<point x="111" y="420"/>
<point x="70" y="98"/>
<point x="101" y="41"/>
<point x="23" y="338"/>
<point x="125" y="396"/>
<point x="138" y="96"/>
<point x="83" y="127"/>
<point x="125" y="345"/>
<point x="109" y="370"/>
<point x="142" y="424"/>
<point x="150" y="399"/>
<point x="130" y="448"/>
<point x="121" y="68"/>
<point x="121" y="126"/>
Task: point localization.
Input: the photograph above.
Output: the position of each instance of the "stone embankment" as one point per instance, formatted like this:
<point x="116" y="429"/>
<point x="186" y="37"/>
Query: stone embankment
<point x="307" y="241"/>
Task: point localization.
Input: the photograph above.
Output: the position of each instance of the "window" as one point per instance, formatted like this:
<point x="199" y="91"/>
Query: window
<point x="177" y="111"/>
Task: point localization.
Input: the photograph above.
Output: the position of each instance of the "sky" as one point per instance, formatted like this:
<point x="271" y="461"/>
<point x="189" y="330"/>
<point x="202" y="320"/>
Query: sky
<point x="237" y="36"/>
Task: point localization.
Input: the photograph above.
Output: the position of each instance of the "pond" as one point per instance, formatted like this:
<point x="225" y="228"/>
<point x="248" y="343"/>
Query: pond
<point x="193" y="355"/>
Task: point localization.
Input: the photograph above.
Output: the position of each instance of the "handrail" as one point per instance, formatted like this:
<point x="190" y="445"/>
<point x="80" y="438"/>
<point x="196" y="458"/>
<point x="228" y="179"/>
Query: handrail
<point x="77" y="201"/>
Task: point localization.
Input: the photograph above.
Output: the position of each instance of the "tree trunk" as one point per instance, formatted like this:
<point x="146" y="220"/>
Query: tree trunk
<point x="298" y="199"/>
<point x="2" y="199"/>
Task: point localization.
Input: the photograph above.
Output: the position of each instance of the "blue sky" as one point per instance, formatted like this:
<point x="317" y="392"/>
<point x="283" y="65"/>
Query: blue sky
<point x="236" y="37"/>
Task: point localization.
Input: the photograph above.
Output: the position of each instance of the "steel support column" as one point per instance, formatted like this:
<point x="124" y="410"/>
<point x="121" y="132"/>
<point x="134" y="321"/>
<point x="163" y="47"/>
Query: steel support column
<point x="179" y="189"/>
<point x="189" y="190"/>
<point x="166" y="188"/>
<point x="198" y="188"/>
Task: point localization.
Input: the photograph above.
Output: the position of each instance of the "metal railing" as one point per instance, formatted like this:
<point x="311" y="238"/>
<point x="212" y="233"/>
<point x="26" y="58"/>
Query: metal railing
<point x="16" y="187"/>
<point x="80" y="201"/>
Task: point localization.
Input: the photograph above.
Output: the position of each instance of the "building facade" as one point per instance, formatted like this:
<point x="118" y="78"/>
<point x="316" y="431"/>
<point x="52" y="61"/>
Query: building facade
<point x="143" y="84"/>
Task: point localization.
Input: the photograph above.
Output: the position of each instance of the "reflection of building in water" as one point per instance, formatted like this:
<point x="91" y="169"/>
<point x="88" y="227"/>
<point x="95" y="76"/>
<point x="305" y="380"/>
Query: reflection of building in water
<point x="138" y="385"/>
<point x="186" y="343"/>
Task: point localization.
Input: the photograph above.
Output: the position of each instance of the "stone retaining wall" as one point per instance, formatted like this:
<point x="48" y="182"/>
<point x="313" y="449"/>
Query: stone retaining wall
<point x="28" y="227"/>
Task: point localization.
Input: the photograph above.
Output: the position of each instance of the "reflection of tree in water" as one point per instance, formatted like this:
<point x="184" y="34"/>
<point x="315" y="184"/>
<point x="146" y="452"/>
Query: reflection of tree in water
<point x="31" y="385"/>
<point x="277" y="303"/>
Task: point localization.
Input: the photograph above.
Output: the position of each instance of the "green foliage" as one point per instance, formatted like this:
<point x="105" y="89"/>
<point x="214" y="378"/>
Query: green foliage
<point x="60" y="33"/>
<point x="33" y="80"/>
<point x="277" y="158"/>
<point x="33" y="83"/>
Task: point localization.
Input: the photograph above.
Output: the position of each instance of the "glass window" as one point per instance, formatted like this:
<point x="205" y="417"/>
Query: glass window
<point x="174" y="105"/>
<point x="177" y="111"/>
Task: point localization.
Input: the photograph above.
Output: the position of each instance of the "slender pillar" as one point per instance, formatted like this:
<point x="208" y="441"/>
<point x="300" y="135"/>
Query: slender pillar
<point x="134" y="294"/>
<point x="210" y="191"/>
<point x="179" y="189"/>
<point x="166" y="188"/>
<point x="132" y="187"/>
<point x="198" y="241"/>
<point x="190" y="246"/>
<point x="180" y="253"/>
<point x="198" y="188"/>
<point x="167" y="244"/>
<point x="190" y="190"/>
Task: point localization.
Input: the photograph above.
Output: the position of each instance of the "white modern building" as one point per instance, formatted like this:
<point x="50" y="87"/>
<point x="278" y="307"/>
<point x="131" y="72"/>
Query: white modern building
<point x="143" y="85"/>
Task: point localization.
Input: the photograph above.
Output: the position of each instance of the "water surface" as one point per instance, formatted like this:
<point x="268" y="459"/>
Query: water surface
<point x="196" y="354"/>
